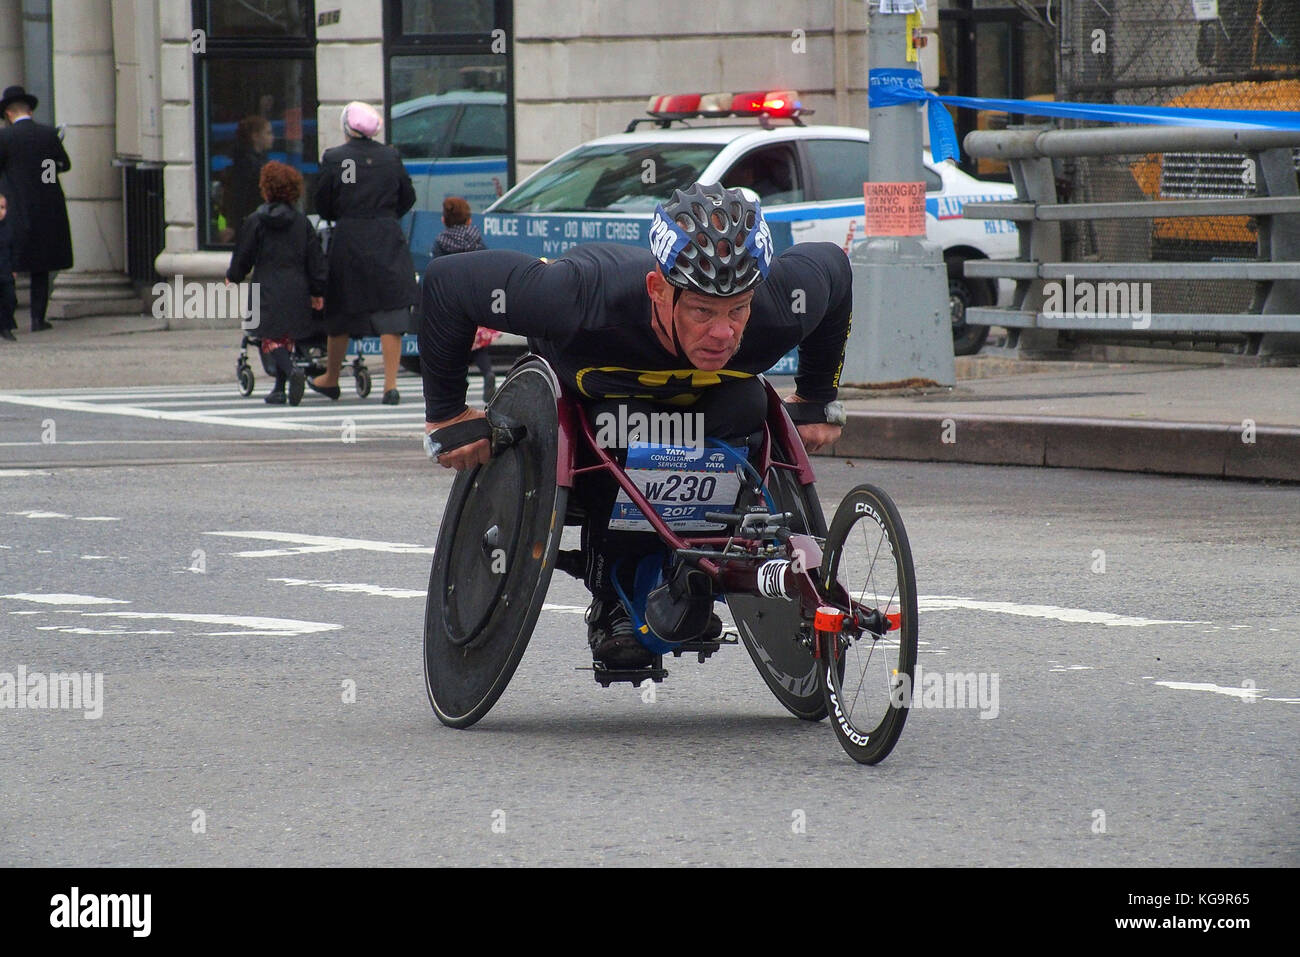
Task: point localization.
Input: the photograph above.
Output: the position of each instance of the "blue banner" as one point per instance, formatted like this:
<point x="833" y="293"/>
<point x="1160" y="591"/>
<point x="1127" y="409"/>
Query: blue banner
<point x="896" y="87"/>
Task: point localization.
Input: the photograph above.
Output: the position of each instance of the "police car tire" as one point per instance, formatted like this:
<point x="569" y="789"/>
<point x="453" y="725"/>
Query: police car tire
<point x="967" y="338"/>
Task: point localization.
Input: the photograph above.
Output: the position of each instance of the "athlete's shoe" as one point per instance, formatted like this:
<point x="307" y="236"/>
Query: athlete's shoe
<point x="612" y="637"/>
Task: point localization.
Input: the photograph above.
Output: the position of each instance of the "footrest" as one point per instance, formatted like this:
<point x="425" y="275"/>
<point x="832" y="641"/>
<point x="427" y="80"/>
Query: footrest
<point x="633" y="676"/>
<point x="703" y="650"/>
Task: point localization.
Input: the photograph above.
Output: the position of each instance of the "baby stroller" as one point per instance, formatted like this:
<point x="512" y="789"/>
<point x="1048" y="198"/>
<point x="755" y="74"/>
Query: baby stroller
<point x="308" y="360"/>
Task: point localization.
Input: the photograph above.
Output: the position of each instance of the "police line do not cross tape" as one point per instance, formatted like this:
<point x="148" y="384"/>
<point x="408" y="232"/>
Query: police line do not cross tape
<point x="899" y="87"/>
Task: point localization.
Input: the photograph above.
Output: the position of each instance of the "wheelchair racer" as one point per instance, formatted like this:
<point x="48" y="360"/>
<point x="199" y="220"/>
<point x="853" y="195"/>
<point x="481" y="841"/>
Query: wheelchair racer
<point x="685" y="325"/>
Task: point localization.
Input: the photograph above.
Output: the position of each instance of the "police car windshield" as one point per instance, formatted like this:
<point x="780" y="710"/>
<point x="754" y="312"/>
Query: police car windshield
<point x="611" y="178"/>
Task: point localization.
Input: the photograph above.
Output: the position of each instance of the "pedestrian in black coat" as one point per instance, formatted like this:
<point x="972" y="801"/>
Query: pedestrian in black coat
<point x="8" y="299"/>
<point x="365" y="189"/>
<point x="31" y="157"/>
<point x="279" y="246"/>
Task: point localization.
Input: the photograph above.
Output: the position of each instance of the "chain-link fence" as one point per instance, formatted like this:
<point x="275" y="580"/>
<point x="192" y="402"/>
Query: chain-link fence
<point x="1233" y="55"/>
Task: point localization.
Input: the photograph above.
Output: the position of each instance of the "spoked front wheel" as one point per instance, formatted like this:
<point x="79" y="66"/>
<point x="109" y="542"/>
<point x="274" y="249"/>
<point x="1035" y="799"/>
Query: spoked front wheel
<point x="866" y="670"/>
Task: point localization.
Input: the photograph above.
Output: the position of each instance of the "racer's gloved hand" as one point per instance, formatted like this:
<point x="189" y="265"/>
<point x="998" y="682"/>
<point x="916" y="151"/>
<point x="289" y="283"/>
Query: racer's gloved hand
<point x="467" y="456"/>
<point x="815" y="435"/>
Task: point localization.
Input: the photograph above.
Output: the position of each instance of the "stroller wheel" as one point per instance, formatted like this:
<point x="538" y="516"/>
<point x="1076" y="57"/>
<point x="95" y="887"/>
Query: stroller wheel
<point x="245" y="377"/>
<point x="297" y="385"/>
<point x="362" y="375"/>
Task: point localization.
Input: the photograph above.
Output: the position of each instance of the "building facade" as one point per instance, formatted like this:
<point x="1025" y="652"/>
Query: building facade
<point x="170" y="106"/>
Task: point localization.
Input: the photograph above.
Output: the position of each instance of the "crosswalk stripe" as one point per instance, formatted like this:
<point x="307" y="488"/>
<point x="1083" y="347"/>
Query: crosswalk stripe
<point x="222" y="405"/>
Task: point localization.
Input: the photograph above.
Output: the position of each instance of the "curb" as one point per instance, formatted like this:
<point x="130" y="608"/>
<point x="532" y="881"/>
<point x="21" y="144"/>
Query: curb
<point x="1166" y="448"/>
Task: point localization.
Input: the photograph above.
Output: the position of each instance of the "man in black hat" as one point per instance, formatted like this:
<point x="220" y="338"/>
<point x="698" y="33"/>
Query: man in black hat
<point x="31" y="157"/>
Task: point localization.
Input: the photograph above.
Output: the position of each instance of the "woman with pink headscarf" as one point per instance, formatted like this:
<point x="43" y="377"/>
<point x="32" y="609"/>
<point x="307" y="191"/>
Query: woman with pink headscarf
<point x="365" y="189"/>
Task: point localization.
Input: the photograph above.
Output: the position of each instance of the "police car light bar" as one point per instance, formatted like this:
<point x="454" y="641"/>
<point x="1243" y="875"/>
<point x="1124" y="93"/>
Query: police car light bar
<point x="765" y="104"/>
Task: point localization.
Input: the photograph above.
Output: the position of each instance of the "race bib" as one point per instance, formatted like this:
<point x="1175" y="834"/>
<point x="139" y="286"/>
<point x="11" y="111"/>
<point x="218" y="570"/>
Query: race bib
<point x="681" y="484"/>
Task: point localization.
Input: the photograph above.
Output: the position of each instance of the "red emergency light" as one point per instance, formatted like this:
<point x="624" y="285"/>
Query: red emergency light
<point x="761" y="103"/>
<point x="774" y="103"/>
<point x="675" y="103"/>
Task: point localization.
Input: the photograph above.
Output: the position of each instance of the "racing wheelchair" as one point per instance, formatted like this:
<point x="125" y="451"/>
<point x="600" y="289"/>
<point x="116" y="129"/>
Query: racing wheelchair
<point x="829" y="616"/>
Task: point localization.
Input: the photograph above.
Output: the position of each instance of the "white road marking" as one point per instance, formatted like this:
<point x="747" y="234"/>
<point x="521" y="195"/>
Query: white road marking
<point x="60" y="598"/>
<point x="277" y="442"/>
<point x="214" y="405"/>
<point x="20" y="473"/>
<point x="1080" y="616"/>
<point x="1245" y="694"/>
<point x="248" y="624"/>
<point x="378" y="591"/>
<point x="71" y="630"/>
<point x="32" y="513"/>
<point x="308" y="544"/>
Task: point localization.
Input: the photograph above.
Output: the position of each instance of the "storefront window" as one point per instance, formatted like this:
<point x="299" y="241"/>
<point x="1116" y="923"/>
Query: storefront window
<point x="994" y="48"/>
<point x="257" y="18"/>
<point x="255" y="101"/>
<point x="440" y="17"/>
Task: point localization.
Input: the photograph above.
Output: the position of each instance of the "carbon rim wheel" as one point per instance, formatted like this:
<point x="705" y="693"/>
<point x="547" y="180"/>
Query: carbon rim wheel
<point x="768" y="629"/>
<point x="869" y="560"/>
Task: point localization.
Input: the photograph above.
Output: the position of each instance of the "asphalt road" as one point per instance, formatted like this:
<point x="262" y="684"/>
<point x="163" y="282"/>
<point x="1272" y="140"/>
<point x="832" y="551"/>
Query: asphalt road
<point x="1147" y="713"/>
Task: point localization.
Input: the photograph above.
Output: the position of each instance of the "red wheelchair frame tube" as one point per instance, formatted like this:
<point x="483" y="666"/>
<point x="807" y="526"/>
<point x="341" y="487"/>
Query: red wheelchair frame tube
<point x="738" y="574"/>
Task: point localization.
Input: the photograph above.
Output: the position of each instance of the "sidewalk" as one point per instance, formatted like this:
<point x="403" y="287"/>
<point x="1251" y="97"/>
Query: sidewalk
<point x="1174" y="418"/>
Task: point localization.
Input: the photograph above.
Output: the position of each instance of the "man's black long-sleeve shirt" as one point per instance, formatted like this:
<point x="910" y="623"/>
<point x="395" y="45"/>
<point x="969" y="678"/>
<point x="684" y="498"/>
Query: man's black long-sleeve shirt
<point x="589" y="315"/>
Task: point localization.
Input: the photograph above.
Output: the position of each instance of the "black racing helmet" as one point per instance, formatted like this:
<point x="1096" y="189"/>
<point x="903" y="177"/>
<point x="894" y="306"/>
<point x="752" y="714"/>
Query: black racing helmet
<point x="711" y="240"/>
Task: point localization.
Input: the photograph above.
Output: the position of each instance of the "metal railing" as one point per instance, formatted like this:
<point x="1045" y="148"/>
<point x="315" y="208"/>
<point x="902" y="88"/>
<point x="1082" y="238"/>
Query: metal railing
<point x="1045" y="280"/>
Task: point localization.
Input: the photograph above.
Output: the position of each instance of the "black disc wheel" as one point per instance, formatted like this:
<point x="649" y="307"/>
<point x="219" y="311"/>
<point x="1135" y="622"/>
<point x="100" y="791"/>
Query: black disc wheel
<point x="495" y="553"/>
<point x="866" y="671"/>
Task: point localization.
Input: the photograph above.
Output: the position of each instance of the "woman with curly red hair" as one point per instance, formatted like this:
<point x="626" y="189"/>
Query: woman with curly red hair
<point x="279" y="246"/>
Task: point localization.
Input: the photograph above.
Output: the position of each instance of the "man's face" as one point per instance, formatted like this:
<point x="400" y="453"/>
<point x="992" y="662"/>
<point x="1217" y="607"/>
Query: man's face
<point x="709" y="328"/>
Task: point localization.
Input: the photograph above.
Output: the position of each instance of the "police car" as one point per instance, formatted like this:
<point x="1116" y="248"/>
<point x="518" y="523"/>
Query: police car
<point x="809" y="179"/>
<point x="452" y="144"/>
